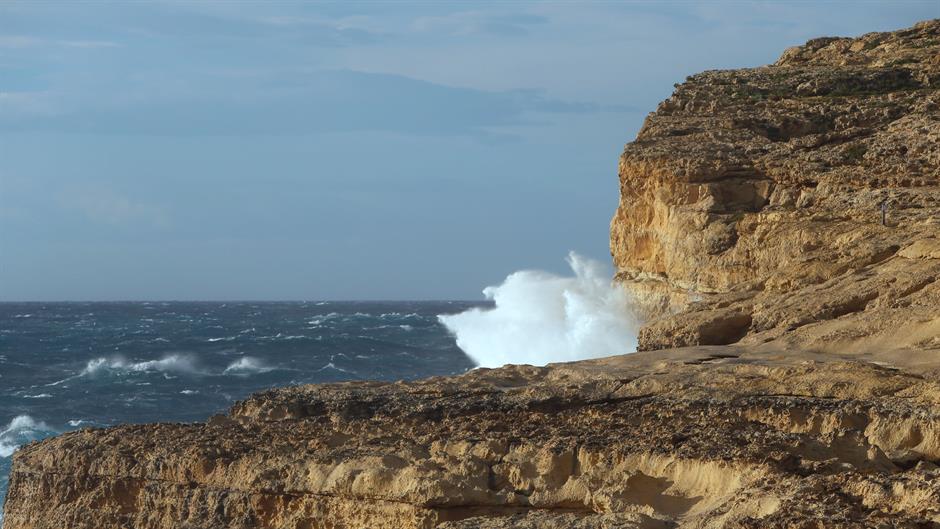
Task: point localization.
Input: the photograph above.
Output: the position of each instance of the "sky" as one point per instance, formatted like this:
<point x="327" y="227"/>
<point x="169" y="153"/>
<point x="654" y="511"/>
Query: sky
<point x="179" y="150"/>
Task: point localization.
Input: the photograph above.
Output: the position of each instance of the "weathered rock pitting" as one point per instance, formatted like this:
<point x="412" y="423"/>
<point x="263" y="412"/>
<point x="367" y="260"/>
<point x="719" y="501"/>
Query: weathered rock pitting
<point x="699" y="437"/>
<point x="749" y="219"/>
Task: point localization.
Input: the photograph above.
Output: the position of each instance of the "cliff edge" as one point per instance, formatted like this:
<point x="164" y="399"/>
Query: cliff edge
<point x="797" y="201"/>
<point x="791" y="378"/>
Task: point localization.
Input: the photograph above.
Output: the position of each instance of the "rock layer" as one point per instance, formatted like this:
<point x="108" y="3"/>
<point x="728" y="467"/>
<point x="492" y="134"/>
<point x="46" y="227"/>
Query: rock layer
<point x="750" y="215"/>
<point x="699" y="437"/>
<point x="751" y="199"/>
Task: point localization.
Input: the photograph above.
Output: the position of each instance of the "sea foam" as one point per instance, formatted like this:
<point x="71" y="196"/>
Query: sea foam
<point x="246" y="366"/>
<point x="171" y="363"/>
<point x="21" y="429"/>
<point x="541" y="318"/>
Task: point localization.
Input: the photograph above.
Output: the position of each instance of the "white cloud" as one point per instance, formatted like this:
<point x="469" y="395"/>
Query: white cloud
<point x="26" y="103"/>
<point x="88" y="44"/>
<point x="105" y="205"/>
<point x="19" y="41"/>
<point x="25" y="41"/>
<point x="479" y="23"/>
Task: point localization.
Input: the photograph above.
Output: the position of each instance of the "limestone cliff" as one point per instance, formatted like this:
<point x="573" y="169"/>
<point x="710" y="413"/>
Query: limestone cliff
<point x="751" y="199"/>
<point x="750" y="215"/>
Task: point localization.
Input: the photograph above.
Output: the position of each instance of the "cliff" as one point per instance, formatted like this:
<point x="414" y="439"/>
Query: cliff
<point x="795" y="380"/>
<point x="751" y="200"/>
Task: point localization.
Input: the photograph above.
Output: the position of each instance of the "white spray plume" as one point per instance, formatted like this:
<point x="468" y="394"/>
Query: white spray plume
<point x="541" y="318"/>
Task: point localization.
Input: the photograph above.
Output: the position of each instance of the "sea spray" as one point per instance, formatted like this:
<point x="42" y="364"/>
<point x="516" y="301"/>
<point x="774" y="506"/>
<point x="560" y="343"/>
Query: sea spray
<point x="541" y="317"/>
<point x="21" y="429"/>
<point x="170" y="363"/>
<point x="246" y="366"/>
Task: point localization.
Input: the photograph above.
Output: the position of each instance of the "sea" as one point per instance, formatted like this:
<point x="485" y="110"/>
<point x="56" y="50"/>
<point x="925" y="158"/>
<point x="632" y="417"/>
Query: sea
<point x="65" y="366"/>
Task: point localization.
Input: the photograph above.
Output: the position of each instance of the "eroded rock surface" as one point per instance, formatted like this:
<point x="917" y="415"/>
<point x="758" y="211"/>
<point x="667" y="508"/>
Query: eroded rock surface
<point x="699" y="437"/>
<point x="750" y="219"/>
<point x="751" y="199"/>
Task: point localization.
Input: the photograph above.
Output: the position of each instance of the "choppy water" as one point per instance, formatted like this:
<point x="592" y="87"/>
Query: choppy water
<point x="69" y="365"/>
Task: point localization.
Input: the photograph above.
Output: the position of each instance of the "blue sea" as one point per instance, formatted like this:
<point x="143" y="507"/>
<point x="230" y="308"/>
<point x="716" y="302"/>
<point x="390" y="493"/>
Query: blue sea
<point x="65" y="366"/>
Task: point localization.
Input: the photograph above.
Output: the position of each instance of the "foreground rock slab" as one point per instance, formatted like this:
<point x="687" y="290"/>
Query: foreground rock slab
<point x="698" y="437"/>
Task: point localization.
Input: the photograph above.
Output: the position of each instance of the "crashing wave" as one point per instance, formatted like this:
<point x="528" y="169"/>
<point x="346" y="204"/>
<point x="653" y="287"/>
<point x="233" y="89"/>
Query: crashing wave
<point x="540" y="318"/>
<point x="22" y="429"/>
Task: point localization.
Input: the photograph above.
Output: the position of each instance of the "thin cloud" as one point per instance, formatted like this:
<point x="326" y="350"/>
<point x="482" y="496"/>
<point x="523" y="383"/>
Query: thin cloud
<point x="25" y="104"/>
<point x="310" y="103"/>
<point x="19" y="41"/>
<point x="480" y="23"/>
<point x="109" y="207"/>
<point x="26" y="41"/>
<point x="89" y="44"/>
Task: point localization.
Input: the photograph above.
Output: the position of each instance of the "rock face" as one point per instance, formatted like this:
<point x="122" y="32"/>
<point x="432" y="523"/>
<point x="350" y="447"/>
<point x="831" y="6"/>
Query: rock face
<point x="698" y="437"/>
<point x="751" y="199"/>
<point x="796" y="381"/>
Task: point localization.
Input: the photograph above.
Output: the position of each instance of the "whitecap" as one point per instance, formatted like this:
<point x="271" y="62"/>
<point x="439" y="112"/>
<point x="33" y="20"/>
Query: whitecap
<point x="189" y="392"/>
<point x="400" y="315"/>
<point x="246" y="366"/>
<point x="75" y="423"/>
<point x="331" y="365"/>
<point x="21" y="429"/>
<point x="40" y="396"/>
<point x="172" y="363"/>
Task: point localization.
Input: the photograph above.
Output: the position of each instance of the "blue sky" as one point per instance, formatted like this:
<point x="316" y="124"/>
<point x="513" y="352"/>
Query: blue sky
<point x="370" y="150"/>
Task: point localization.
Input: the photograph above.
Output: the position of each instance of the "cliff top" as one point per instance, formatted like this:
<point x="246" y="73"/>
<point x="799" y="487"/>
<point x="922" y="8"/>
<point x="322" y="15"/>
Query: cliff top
<point x="798" y="201"/>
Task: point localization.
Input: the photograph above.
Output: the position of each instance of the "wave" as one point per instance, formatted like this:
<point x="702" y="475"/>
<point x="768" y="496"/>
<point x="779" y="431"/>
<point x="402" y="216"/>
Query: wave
<point x="320" y="318"/>
<point x="390" y="326"/>
<point x="171" y="363"/>
<point x="246" y="366"/>
<point x="22" y="429"/>
<point x="331" y="365"/>
<point x="400" y="315"/>
<point x="541" y="318"/>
